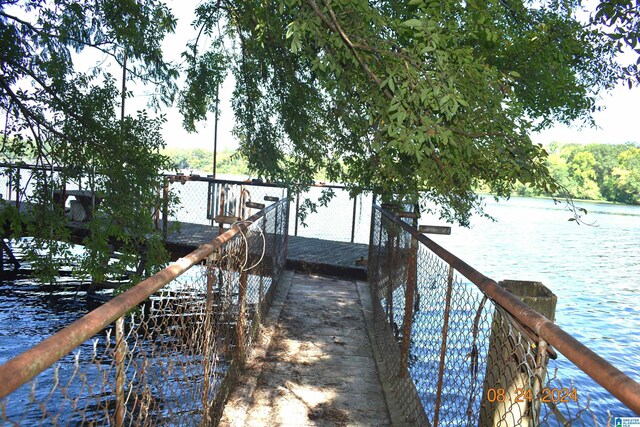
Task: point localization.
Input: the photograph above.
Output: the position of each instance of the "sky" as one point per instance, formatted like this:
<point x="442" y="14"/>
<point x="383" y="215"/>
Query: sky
<point x="616" y="124"/>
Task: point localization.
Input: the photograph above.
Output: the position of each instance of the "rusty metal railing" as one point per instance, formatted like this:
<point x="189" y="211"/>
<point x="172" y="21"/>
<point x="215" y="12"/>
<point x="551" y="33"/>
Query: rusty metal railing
<point x="164" y="352"/>
<point x="460" y="349"/>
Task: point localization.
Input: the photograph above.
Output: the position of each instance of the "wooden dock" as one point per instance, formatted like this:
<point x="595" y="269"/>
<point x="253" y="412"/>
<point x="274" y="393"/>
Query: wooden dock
<point x="305" y="254"/>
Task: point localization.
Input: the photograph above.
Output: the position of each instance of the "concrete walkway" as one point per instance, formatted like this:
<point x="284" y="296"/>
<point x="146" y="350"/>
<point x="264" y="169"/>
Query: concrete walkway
<point x="314" y="366"/>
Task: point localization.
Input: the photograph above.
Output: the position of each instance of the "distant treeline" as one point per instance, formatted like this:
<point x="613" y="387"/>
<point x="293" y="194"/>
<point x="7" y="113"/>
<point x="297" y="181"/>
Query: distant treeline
<point x="227" y="161"/>
<point x="595" y="171"/>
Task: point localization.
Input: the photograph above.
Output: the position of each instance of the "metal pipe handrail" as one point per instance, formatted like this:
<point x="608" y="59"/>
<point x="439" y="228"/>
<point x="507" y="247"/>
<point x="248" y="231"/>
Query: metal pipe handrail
<point x="30" y="363"/>
<point x="604" y="373"/>
<point x="257" y="183"/>
<point x="30" y="166"/>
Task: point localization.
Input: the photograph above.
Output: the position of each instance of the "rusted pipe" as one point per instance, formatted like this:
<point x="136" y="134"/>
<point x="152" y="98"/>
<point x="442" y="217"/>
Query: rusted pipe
<point x="295" y="229"/>
<point x="412" y="281"/>
<point x="604" y="373"/>
<point x="240" y="321"/>
<point x="165" y="209"/>
<point x="120" y="373"/>
<point x="353" y="219"/>
<point x="30" y="363"/>
<point x="443" y="346"/>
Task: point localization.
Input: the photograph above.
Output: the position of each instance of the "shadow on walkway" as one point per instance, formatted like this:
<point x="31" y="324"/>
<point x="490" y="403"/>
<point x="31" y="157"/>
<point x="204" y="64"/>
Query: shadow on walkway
<point x="315" y="365"/>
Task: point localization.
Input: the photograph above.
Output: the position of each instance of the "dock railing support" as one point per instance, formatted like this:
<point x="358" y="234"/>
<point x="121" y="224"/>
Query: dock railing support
<point x="353" y="218"/>
<point x="412" y="282"/>
<point x="165" y="208"/>
<point x="17" y="188"/>
<point x="121" y="346"/>
<point x="295" y="228"/>
<point x="506" y="360"/>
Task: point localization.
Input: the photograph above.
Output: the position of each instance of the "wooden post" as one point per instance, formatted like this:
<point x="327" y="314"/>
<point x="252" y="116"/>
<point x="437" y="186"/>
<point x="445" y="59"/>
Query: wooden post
<point x="503" y="375"/>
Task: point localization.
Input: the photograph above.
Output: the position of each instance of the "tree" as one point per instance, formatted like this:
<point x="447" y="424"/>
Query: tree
<point x="627" y="183"/>
<point x="620" y="19"/>
<point x="431" y="98"/>
<point x="55" y="114"/>
<point x="581" y="169"/>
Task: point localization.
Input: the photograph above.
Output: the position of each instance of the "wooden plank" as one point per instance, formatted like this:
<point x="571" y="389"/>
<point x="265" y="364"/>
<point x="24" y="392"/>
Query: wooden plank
<point x="434" y="229"/>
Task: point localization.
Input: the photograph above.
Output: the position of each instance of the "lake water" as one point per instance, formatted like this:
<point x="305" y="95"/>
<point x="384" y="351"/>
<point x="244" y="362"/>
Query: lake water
<point x="594" y="271"/>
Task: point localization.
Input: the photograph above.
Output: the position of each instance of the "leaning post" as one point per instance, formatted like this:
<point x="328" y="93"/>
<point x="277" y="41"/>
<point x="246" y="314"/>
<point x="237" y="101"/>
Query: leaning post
<point x="505" y="359"/>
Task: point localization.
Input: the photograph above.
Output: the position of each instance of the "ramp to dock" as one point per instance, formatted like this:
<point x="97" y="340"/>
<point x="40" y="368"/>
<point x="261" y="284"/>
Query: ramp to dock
<point x="315" y="364"/>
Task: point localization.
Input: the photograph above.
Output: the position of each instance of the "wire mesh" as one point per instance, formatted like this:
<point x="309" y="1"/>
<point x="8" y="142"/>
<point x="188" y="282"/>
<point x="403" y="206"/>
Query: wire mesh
<point x="201" y="199"/>
<point x="18" y="183"/>
<point x="453" y="355"/>
<point x="172" y="359"/>
<point x="342" y="218"/>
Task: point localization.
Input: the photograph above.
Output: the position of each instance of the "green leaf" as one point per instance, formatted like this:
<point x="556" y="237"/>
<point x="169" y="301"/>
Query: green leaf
<point x="412" y="23"/>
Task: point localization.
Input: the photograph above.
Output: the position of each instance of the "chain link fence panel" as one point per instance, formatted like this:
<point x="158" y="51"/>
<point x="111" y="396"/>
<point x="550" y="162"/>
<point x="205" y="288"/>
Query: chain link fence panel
<point x="452" y="355"/>
<point x="172" y="358"/>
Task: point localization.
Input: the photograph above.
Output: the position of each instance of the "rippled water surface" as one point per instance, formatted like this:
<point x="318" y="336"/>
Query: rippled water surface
<point x="594" y="271"/>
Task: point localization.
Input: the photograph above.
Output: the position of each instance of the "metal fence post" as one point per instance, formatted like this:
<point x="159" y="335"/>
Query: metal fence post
<point x="276" y="240"/>
<point x="391" y="241"/>
<point x="295" y="229"/>
<point x="370" y="276"/>
<point x="353" y="219"/>
<point x="165" y="208"/>
<point x="242" y="297"/>
<point x="443" y="346"/>
<point x="502" y="372"/>
<point x="211" y="279"/>
<point x="285" y="228"/>
<point x="18" y="188"/>
<point x="120" y="373"/>
<point x="412" y="281"/>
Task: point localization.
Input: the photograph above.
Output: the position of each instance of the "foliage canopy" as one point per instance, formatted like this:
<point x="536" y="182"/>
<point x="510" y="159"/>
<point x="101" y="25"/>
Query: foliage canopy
<point x="402" y="98"/>
<point x="409" y="99"/>
<point x="54" y="114"/>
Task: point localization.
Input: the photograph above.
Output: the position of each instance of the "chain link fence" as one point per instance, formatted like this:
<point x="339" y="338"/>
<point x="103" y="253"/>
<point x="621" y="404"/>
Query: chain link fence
<point x="198" y="200"/>
<point x="27" y="186"/>
<point x="18" y="182"/>
<point x="329" y="212"/>
<point x="454" y="355"/>
<point x="326" y="212"/>
<point x="165" y="352"/>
